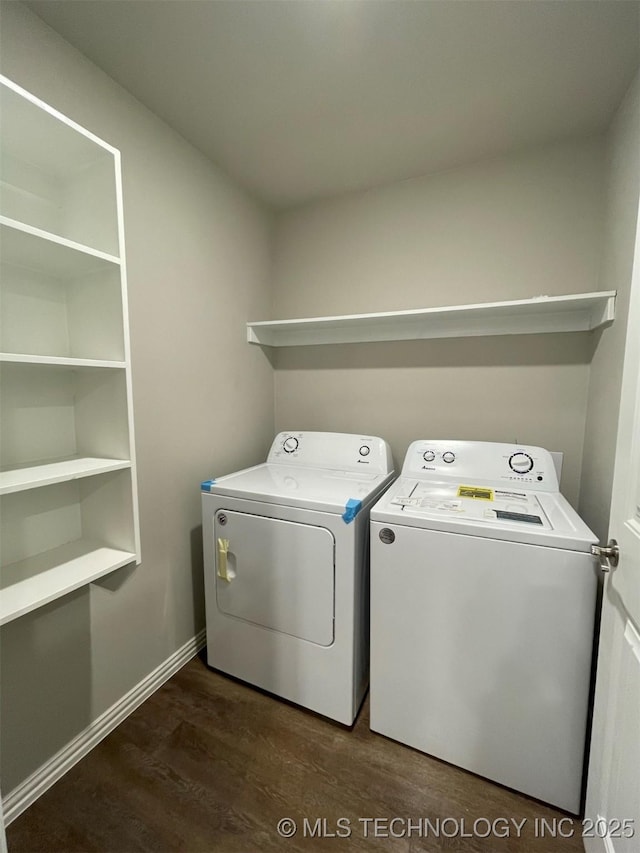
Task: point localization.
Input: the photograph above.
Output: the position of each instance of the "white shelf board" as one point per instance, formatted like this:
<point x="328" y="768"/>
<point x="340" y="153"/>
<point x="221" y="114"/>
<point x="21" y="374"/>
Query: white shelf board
<point x="29" y="247"/>
<point x="60" y="361"/>
<point x="34" y="582"/>
<point x="575" y="313"/>
<point x="33" y="477"/>
<point x="44" y="137"/>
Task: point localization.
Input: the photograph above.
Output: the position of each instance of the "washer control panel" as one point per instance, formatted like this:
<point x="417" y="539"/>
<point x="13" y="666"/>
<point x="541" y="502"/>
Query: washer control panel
<point x="521" y="462"/>
<point x="290" y="444"/>
<point x="482" y="462"/>
<point x="336" y="451"/>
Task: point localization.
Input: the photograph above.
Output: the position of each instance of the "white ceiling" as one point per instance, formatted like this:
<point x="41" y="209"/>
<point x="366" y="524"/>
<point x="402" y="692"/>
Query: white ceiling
<point x="301" y="99"/>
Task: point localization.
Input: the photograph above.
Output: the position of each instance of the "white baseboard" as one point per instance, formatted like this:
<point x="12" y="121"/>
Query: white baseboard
<point x="16" y="801"/>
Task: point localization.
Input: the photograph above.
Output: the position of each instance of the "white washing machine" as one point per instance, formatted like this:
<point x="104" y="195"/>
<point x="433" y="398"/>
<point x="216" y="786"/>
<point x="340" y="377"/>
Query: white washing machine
<point x="286" y="568"/>
<point x="483" y="594"/>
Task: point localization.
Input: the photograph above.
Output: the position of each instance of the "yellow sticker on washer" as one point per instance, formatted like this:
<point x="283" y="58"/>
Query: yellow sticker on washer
<point x="477" y="492"/>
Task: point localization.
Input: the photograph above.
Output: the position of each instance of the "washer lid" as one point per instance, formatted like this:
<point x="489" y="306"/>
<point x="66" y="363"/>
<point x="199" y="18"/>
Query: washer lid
<point x="536" y="518"/>
<point x="312" y="488"/>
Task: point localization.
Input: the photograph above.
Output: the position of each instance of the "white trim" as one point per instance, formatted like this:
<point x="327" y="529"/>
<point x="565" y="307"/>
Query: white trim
<point x="127" y="353"/>
<point x="633" y="639"/>
<point x="596" y="844"/>
<point x="42" y="779"/>
<point x="3" y="837"/>
<point x="608" y="844"/>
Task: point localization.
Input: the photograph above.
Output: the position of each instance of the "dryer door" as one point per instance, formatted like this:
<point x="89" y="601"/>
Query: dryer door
<point x="277" y="574"/>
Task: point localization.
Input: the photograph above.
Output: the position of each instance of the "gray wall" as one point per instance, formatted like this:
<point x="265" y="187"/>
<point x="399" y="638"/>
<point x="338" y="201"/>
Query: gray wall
<point x="623" y="189"/>
<point x="198" y="265"/>
<point x="507" y="229"/>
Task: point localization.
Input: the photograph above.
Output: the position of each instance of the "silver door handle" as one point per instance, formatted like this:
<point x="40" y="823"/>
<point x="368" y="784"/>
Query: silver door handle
<point x="607" y="554"/>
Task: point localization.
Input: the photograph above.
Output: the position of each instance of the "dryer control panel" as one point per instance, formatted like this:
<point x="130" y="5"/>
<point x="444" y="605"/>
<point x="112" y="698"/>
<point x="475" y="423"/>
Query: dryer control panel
<point x="481" y="462"/>
<point x="336" y="451"/>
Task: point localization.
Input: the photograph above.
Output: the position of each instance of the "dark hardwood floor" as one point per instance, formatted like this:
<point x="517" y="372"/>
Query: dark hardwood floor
<point x="209" y="764"/>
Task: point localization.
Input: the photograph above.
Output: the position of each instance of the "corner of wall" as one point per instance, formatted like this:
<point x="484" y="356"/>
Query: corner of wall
<point x="623" y="194"/>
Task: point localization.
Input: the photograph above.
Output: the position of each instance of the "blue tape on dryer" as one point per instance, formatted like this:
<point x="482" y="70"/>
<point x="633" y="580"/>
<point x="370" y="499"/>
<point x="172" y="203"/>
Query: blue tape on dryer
<point x="206" y="486"/>
<point x="351" y="509"/>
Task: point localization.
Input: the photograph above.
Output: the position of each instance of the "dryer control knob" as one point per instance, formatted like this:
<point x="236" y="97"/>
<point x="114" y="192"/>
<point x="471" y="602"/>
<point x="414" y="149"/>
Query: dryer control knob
<point x="448" y="456"/>
<point x="521" y="463"/>
<point x="290" y="445"/>
<point x="365" y="450"/>
<point x="428" y="456"/>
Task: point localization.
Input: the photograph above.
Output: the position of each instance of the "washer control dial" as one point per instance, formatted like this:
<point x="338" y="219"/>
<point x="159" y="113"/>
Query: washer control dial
<point x="290" y="444"/>
<point x="428" y="456"/>
<point x="365" y="450"/>
<point x="521" y="463"/>
<point x="448" y="456"/>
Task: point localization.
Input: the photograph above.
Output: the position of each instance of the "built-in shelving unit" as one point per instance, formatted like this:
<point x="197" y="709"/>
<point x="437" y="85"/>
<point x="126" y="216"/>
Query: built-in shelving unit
<point x="67" y="476"/>
<point x="575" y="313"/>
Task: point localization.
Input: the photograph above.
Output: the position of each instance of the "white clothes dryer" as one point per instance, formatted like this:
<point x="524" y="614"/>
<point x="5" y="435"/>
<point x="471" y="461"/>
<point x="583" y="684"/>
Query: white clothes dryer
<point x="286" y="569"/>
<point x="483" y="594"/>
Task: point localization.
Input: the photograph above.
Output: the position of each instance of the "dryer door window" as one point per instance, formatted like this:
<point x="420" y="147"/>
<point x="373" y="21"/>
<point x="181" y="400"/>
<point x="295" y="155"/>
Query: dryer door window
<point x="277" y="574"/>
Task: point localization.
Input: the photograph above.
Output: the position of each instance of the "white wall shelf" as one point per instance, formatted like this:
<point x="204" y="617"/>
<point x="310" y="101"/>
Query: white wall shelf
<point x="68" y="491"/>
<point x="35" y="476"/>
<point x="60" y="361"/>
<point x="575" y="313"/>
<point x="36" y="581"/>
<point x="35" y="249"/>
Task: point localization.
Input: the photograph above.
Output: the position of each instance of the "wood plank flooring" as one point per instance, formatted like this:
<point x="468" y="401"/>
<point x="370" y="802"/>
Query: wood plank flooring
<point x="210" y="764"/>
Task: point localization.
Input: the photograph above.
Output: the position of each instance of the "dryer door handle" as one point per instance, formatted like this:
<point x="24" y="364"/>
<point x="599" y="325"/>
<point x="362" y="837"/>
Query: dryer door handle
<point x="223" y="550"/>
